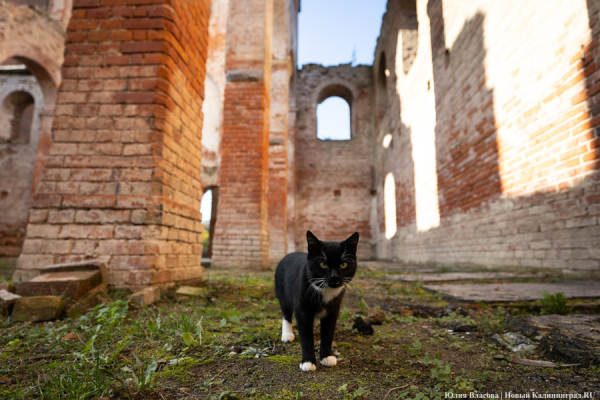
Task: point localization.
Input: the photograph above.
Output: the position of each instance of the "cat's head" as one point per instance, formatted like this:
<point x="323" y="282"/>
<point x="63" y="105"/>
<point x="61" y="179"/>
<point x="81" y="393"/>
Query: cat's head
<point x="331" y="264"/>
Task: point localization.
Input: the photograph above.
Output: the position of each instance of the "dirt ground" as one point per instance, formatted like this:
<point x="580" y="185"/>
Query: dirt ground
<point x="225" y="344"/>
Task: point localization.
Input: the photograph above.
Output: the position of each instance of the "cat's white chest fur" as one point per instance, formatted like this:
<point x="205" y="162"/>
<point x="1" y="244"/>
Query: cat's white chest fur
<point x="331" y="293"/>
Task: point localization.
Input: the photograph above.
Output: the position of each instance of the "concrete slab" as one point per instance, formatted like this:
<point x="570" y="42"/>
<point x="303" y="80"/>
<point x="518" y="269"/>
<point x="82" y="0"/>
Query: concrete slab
<point x="499" y="292"/>
<point x="454" y="276"/>
<point x="585" y="326"/>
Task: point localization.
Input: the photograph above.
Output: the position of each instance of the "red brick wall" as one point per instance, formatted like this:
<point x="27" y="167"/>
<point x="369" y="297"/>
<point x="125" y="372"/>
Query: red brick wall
<point x="121" y="183"/>
<point x="241" y="232"/>
<point x="514" y="93"/>
<point x="324" y="167"/>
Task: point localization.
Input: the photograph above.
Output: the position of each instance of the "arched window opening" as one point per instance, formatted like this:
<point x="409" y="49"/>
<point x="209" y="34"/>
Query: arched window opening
<point x="382" y="75"/>
<point x="208" y="209"/>
<point x="389" y="206"/>
<point x="16" y="116"/>
<point x="333" y="119"/>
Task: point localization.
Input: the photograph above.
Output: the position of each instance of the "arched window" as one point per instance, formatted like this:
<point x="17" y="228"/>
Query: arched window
<point x="334" y="113"/>
<point x="333" y="119"/>
<point x="389" y="206"/>
<point x="208" y="208"/>
<point x="381" y="95"/>
<point x="16" y="116"/>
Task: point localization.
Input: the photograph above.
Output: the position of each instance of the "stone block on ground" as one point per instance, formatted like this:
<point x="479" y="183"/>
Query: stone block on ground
<point x="186" y="292"/>
<point x="72" y="285"/>
<point x="38" y="308"/>
<point x="7" y="301"/>
<point x="145" y="297"/>
<point x="376" y="316"/>
<point x="455" y="276"/>
<point x="8" y="287"/>
<point x="501" y="292"/>
<point x="570" y="339"/>
<point x="94" y="298"/>
<point x="88" y="265"/>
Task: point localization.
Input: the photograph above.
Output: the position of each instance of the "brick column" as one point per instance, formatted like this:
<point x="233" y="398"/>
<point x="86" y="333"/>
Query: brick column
<point x="278" y="136"/>
<point x="241" y="232"/>
<point x="121" y="181"/>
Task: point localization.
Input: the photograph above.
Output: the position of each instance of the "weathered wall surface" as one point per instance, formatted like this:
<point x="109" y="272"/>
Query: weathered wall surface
<point x="35" y="40"/>
<point x="241" y="231"/>
<point x="334" y="178"/>
<point x="121" y="183"/>
<point x="17" y="160"/>
<point x="508" y="95"/>
<point x="214" y="87"/>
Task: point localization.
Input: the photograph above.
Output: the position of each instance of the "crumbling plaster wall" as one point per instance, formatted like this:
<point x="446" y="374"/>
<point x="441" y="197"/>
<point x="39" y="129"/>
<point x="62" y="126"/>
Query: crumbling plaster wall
<point x="334" y="177"/>
<point x="36" y="39"/>
<point x="502" y="98"/>
<point x="17" y="161"/>
<point x="214" y="87"/>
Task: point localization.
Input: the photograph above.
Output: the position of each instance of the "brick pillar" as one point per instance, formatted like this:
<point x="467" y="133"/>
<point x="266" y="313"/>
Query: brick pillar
<point x="241" y="232"/>
<point x="278" y="136"/>
<point x="121" y="182"/>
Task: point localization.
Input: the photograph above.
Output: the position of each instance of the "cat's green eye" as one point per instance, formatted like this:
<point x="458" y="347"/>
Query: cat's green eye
<point x="344" y="265"/>
<point x="323" y="265"/>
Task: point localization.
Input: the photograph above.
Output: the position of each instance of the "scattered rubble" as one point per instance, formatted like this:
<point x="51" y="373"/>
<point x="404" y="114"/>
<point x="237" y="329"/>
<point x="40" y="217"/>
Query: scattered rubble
<point x="72" y="281"/>
<point x="145" y="297"/>
<point x="570" y="339"/>
<point x="517" y="343"/>
<point x="38" y="308"/>
<point x="376" y="316"/>
<point x="185" y="292"/>
<point x="7" y="286"/>
<point x="7" y="301"/>
<point x="94" y="298"/>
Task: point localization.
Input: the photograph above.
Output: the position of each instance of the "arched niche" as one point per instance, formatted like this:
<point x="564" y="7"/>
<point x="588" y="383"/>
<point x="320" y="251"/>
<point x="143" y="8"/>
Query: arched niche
<point x="381" y="86"/>
<point x="16" y="117"/>
<point x="22" y="105"/>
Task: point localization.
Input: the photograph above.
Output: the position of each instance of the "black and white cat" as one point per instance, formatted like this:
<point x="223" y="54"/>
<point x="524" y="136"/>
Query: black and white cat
<point x="311" y="287"/>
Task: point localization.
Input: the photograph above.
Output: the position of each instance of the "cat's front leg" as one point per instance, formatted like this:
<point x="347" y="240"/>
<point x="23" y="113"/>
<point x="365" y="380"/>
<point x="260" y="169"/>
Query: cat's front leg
<point x="326" y="355"/>
<point x="304" y="324"/>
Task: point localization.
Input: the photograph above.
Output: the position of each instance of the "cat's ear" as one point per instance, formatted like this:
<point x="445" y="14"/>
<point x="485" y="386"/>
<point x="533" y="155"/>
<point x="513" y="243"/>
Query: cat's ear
<point x="352" y="243"/>
<point x="314" y="244"/>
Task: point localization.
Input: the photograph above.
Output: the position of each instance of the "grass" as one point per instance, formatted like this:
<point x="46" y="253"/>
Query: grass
<point x="225" y="345"/>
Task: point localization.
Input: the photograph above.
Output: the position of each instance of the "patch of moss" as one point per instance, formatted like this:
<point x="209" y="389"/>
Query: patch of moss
<point x="179" y="371"/>
<point x="285" y="360"/>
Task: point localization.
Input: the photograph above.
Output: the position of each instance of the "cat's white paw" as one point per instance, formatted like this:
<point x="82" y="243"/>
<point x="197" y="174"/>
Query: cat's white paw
<point x="287" y="337"/>
<point x="308" y="366"/>
<point x="329" y="361"/>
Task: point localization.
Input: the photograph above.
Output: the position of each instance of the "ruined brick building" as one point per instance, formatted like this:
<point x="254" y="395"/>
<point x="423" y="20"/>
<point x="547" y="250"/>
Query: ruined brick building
<point x="474" y="137"/>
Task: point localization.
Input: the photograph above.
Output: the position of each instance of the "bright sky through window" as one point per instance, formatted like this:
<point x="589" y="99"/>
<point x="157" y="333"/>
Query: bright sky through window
<point x="206" y="205"/>
<point x="333" y="119"/>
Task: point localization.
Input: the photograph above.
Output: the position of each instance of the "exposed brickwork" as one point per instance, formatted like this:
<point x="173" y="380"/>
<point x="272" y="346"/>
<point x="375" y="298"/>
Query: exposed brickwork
<point x="324" y="167"/>
<point x="515" y="142"/>
<point x="241" y="231"/>
<point x="121" y="182"/>
<point x="278" y="135"/>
